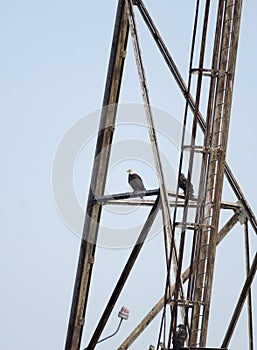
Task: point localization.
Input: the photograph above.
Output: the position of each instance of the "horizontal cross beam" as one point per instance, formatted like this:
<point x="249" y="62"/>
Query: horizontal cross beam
<point x="122" y="199"/>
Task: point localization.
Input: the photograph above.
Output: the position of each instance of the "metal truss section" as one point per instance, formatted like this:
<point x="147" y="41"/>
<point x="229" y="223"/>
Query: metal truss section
<point x="187" y="296"/>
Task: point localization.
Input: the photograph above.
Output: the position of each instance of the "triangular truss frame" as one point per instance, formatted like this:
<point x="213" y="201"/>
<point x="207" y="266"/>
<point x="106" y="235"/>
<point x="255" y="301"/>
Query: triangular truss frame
<point x="200" y="273"/>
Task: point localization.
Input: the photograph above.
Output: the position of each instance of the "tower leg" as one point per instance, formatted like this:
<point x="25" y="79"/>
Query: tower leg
<point x="102" y="155"/>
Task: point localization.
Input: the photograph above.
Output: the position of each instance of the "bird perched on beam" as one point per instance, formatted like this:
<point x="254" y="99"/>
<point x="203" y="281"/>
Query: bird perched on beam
<point x="135" y="182"/>
<point x="179" y="337"/>
<point x="183" y="185"/>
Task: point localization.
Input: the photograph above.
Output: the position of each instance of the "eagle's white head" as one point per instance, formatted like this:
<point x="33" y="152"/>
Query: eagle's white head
<point x="130" y="171"/>
<point x="180" y="326"/>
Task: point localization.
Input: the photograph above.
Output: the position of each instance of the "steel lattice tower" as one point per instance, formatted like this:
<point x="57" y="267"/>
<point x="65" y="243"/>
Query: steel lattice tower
<point x="188" y="296"/>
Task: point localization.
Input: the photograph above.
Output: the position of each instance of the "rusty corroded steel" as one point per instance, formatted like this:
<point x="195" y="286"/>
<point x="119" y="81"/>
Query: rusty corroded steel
<point x="159" y="305"/>
<point x="190" y="168"/>
<point x="240" y="303"/>
<point x="185" y="92"/>
<point x="170" y="244"/>
<point x="216" y="140"/>
<point x="102" y="154"/>
<point x="151" y="128"/>
<point x="222" y="111"/>
<point x="196" y="293"/>
<point x="249" y="296"/>
<point x="125" y="273"/>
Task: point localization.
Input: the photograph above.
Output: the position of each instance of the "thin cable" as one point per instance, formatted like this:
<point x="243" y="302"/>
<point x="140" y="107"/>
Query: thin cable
<point x="109" y="336"/>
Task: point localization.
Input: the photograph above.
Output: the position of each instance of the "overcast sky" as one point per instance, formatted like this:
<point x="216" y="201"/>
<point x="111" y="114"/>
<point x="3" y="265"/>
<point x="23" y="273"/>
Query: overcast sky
<point x="53" y="68"/>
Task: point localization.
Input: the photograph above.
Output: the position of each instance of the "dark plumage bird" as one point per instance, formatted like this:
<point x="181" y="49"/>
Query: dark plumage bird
<point x="135" y="181"/>
<point x="183" y="185"/>
<point x="179" y="337"/>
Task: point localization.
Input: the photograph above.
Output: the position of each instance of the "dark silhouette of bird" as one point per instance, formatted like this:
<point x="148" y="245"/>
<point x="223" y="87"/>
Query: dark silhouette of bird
<point x="135" y="181"/>
<point x="179" y="337"/>
<point x="183" y="185"/>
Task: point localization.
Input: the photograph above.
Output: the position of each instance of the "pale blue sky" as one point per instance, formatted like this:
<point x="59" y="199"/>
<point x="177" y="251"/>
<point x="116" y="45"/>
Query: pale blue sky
<point x="53" y="68"/>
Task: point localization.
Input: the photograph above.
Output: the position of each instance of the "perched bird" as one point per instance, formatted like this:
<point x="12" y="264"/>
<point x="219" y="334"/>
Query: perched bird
<point x="179" y="337"/>
<point x="135" y="181"/>
<point x="183" y="185"/>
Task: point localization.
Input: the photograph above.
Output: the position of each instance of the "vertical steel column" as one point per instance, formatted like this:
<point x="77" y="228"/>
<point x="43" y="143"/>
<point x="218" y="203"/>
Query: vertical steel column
<point x="184" y="89"/>
<point x="202" y="239"/>
<point x="228" y="61"/>
<point x="98" y="179"/>
<point x="216" y="166"/>
<point x="192" y="144"/>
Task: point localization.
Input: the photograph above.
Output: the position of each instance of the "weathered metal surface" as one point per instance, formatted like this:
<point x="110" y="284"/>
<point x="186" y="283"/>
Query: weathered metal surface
<point x="159" y="306"/>
<point x="126" y="198"/>
<point x="126" y="195"/>
<point x="172" y="203"/>
<point x="205" y="200"/>
<point x="208" y="203"/>
<point x="93" y="211"/>
<point x="169" y="241"/>
<point x="124" y="275"/>
<point x="222" y="112"/>
<point x="149" y="317"/>
<point x="249" y="296"/>
<point x="167" y="226"/>
<point x="240" y="303"/>
<point x="227" y="227"/>
<point x="190" y="168"/>
<point x="184" y="89"/>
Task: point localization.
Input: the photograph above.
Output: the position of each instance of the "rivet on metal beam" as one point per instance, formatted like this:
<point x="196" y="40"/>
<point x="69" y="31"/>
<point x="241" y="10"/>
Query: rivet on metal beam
<point x="123" y="53"/>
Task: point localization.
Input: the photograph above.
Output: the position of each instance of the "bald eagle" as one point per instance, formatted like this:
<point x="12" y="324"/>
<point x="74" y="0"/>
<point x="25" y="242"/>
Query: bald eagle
<point x="135" y="181"/>
<point x="183" y="185"/>
<point x="179" y="337"/>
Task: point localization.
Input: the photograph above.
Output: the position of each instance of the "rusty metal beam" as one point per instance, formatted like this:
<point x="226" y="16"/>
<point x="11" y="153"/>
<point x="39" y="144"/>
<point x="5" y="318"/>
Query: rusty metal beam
<point x="159" y="305"/>
<point x="180" y="204"/>
<point x="191" y="156"/>
<point x="222" y="112"/>
<point x="126" y="195"/>
<point x="98" y="179"/>
<point x="184" y="89"/>
<point x="169" y="239"/>
<point x="121" y="199"/>
<point x="167" y="226"/>
<point x="227" y="227"/>
<point x="249" y="297"/>
<point x="149" y="317"/>
<point x="124" y="275"/>
<point x="93" y="213"/>
<point x="240" y="303"/>
<point x="240" y="196"/>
